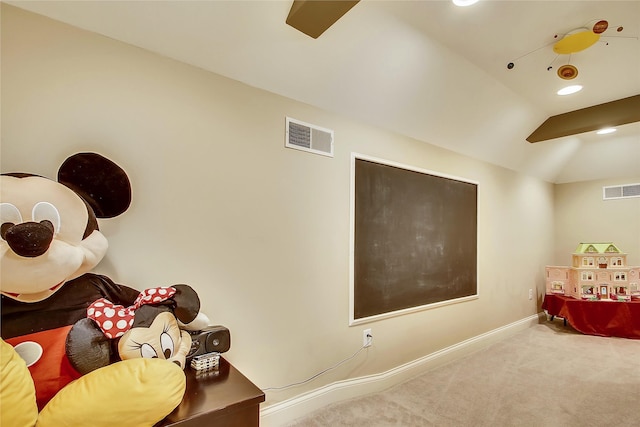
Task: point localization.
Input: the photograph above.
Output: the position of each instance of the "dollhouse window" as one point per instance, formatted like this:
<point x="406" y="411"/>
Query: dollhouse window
<point x="587" y="275"/>
<point x="620" y="276"/>
<point x="587" y="290"/>
<point x="616" y="261"/>
<point x="587" y="262"/>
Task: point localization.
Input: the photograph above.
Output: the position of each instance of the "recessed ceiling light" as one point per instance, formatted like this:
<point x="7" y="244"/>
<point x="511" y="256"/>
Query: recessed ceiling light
<point x="464" y="2"/>
<point x="606" y="131"/>
<point x="569" y="90"/>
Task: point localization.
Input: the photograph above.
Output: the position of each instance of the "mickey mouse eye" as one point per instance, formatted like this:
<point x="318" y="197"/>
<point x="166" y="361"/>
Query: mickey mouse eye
<point x="147" y="351"/>
<point x="9" y="216"/>
<point x="166" y="342"/>
<point x="9" y="213"/>
<point x="45" y="211"/>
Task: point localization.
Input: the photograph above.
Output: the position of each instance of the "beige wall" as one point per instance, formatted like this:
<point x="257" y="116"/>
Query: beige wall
<point x="582" y="216"/>
<point x="261" y="231"/>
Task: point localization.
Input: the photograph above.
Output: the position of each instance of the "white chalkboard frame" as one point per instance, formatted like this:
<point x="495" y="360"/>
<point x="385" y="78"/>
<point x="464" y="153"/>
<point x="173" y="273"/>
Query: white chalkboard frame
<point x="357" y="319"/>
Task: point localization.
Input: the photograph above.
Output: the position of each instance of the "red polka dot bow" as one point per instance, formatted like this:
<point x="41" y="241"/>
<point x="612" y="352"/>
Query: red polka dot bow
<point x="115" y="320"/>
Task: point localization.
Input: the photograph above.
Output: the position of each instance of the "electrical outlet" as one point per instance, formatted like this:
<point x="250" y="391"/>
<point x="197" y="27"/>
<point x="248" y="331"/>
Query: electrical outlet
<point x="530" y="293"/>
<point x="367" y="338"/>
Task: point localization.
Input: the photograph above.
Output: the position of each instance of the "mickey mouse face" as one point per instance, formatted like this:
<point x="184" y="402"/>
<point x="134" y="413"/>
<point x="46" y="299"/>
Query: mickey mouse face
<point x="49" y="230"/>
<point x="47" y="237"/>
<point x="163" y="339"/>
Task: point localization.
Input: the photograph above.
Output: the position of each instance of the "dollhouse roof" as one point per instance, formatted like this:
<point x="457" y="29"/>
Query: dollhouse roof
<point x="599" y="248"/>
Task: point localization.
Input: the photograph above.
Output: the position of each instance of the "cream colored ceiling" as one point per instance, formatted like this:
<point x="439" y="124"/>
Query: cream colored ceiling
<point x="425" y="69"/>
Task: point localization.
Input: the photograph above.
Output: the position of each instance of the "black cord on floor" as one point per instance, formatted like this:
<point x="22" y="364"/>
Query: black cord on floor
<point x="318" y="374"/>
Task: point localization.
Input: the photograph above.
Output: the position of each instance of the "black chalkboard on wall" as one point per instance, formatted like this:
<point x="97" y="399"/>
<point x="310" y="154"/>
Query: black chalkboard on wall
<point x="414" y="239"/>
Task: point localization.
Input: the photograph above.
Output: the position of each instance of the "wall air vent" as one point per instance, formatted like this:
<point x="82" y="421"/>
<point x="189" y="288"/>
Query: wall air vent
<point x="620" y="191"/>
<point x="306" y="137"/>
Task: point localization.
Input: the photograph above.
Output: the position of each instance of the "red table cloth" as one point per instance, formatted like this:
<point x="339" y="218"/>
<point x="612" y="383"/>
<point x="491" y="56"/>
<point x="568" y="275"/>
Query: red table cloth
<point x="602" y="318"/>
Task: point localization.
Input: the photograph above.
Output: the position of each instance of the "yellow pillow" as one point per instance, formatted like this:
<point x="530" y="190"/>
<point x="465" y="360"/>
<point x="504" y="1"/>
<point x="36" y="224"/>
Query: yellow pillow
<point x="132" y="393"/>
<point x="17" y="392"/>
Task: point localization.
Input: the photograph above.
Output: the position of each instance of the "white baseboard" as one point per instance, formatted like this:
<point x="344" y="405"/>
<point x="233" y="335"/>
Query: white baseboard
<point x="282" y="413"/>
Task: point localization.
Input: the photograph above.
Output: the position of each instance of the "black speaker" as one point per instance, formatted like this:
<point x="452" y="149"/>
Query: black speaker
<point x="211" y="339"/>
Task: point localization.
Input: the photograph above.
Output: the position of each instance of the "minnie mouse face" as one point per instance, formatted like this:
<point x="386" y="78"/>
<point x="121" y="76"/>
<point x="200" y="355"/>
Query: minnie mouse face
<point x="148" y="328"/>
<point x="161" y="339"/>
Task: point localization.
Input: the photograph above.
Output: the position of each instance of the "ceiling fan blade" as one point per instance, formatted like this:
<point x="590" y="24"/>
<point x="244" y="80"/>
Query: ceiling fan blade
<point x="609" y="114"/>
<point x="313" y="17"/>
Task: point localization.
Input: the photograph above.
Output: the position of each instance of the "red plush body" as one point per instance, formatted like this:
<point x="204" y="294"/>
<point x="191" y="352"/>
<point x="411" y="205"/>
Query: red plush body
<point x="48" y="322"/>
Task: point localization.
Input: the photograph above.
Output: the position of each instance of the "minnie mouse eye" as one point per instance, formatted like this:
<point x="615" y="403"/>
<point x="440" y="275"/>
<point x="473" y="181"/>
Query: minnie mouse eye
<point x="45" y="211"/>
<point x="147" y="351"/>
<point x="167" y="345"/>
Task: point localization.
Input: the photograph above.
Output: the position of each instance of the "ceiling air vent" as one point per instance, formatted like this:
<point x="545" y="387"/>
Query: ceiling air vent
<point x="621" y="191"/>
<point x="306" y="137"/>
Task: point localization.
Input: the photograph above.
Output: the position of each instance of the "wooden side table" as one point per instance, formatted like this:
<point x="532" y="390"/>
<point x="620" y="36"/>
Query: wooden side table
<point x="222" y="398"/>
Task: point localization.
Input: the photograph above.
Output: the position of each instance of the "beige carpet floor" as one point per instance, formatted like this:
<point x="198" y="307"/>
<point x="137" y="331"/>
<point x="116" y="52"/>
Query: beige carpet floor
<point x="546" y="376"/>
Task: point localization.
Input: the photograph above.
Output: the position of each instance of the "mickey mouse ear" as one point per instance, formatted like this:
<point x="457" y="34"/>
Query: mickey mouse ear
<point x="104" y="185"/>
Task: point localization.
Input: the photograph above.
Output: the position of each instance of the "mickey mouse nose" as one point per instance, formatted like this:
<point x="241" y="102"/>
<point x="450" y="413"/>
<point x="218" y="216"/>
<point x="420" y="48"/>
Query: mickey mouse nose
<point x="29" y="239"/>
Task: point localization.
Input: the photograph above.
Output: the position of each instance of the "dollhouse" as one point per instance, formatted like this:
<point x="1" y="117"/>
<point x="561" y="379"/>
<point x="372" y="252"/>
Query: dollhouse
<point x="598" y="271"/>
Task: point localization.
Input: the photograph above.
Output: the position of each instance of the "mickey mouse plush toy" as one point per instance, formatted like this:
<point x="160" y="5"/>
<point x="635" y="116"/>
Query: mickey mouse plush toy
<point x="49" y="242"/>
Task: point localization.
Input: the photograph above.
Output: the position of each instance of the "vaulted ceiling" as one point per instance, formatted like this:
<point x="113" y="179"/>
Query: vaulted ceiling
<point x="425" y="69"/>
